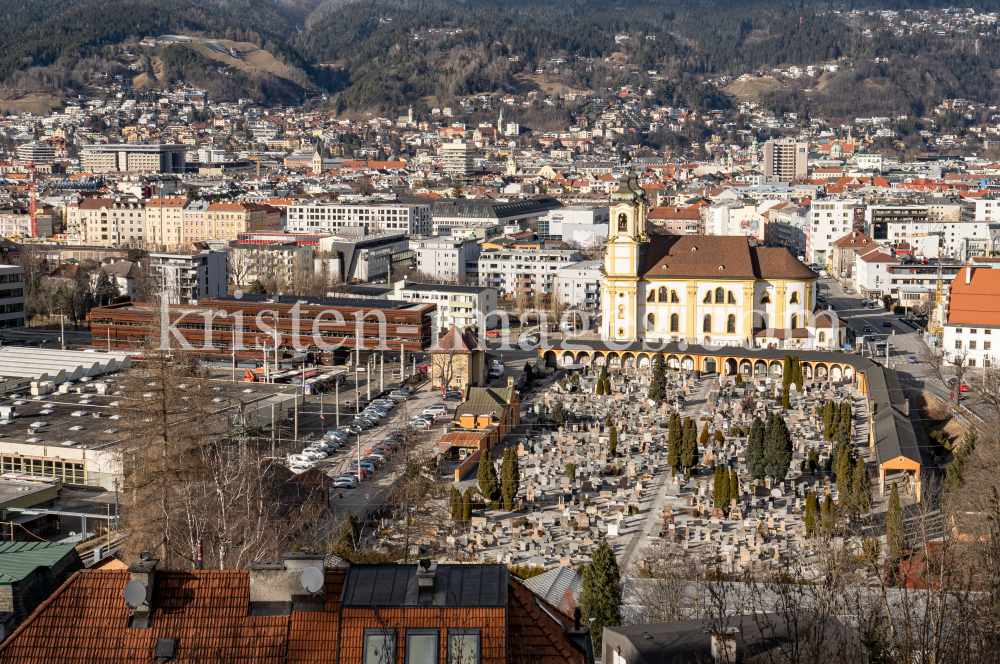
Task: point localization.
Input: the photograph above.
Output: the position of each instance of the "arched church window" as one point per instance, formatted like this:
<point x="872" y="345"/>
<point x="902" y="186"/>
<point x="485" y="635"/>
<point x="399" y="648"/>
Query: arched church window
<point x="794" y="299"/>
<point x="706" y="323"/>
<point x="650" y="323"/>
<point x="708" y="298"/>
<point x="822" y="337"/>
<point x="720" y="295"/>
<point x="652" y="294"/>
<point x="623" y="223"/>
<point x="675" y="322"/>
<point x="663" y="293"/>
<point x="731" y="324"/>
<point x="673" y="297"/>
<point x="765" y="298"/>
<point x="794" y="324"/>
<point x="730" y="298"/>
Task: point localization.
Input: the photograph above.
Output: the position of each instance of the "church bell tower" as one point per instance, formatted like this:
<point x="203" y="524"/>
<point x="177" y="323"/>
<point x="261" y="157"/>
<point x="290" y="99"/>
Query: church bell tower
<point x="626" y="234"/>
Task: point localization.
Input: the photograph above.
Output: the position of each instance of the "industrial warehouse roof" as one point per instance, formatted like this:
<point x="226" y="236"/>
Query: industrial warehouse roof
<point x="59" y="365"/>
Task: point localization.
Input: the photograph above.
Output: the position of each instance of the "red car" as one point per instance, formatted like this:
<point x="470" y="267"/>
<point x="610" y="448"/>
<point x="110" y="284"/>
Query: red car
<point x="961" y="397"/>
<point x="963" y="388"/>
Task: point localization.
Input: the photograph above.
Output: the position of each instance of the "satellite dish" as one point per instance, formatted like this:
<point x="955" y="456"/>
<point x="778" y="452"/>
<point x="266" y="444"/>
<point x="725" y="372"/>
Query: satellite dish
<point x="313" y="579"/>
<point x="135" y="594"/>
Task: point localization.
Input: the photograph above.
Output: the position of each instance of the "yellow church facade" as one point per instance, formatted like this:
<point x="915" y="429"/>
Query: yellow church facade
<point x="700" y="288"/>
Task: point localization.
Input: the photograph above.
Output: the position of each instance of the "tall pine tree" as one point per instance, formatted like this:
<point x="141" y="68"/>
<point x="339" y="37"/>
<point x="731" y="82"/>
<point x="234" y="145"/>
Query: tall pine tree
<point x="845" y="478"/>
<point x="658" y="382"/>
<point x="861" y="490"/>
<point x="601" y="594"/>
<point x="509" y="478"/>
<point x="689" y="446"/>
<point x="787" y="373"/>
<point x="828" y="420"/>
<point x="734" y="486"/>
<point x="812" y="512"/>
<point x="717" y="485"/>
<point x="829" y="516"/>
<point x="613" y="442"/>
<point x="755" y="450"/>
<point x="723" y="501"/>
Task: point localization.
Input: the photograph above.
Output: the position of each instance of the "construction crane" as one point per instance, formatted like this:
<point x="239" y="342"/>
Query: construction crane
<point x="33" y="209"/>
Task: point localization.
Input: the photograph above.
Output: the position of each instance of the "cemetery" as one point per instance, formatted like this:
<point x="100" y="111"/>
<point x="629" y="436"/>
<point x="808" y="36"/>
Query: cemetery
<point x="732" y="470"/>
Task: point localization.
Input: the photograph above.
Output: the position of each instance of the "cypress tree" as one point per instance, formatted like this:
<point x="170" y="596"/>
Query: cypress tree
<point x="812" y="512"/>
<point x="835" y="424"/>
<point x="786" y="373"/>
<point x="845" y="478"/>
<point x="784" y="399"/>
<point x="797" y="372"/>
<point x="658" y="382"/>
<point x="600" y="387"/>
<point x="703" y="440"/>
<point x="777" y="448"/>
<point x="716" y="500"/>
<point x="846" y="412"/>
<point x="604" y="372"/>
<point x="844" y="434"/>
<point x="755" y="450"/>
<point x="894" y="533"/>
<point x="723" y="499"/>
<point x="607" y="420"/>
<point x="829" y="516"/>
<point x="674" y="438"/>
<point x="689" y="446"/>
<point x="601" y="595"/>
<point x="456" y="504"/>
<point x="613" y="443"/>
<point x="734" y="486"/>
<point x="827" y="420"/>
<point x="508" y="478"/>
<point x="487" y="476"/>
<point x="861" y="490"/>
<point x="467" y="505"/>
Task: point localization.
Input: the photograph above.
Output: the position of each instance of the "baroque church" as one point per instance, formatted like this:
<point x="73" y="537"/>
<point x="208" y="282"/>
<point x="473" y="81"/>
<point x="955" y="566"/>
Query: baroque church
<point x="704" y="289"/>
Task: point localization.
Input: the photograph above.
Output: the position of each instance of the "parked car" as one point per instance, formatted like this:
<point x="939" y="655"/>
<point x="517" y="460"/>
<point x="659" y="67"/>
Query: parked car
<point x="436" y="410"/>
<point x="420" y="424"/>
<point x="963" y="388"/>
<point x="298" y="458"/>
<point x="886" y="323"/>
<point x="961" y="397"/>
<point x="452" y="396"/>
<point x="399" y="395"/>
<point x="313" y="454"/>
<point x="869" y="328"/>
<point x="345" y="483"/>
<point x="298" y="468"/>
<point x="911" y="360"/>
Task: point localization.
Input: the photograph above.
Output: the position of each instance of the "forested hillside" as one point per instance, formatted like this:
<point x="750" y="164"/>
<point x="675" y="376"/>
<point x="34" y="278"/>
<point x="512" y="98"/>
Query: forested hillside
<point x="383" y="55"/>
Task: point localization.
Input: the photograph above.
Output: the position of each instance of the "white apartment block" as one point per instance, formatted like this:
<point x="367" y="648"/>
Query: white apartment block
<point x="189" y="277"/>
<point x="579" y="284"/>
<point x="830" y="220"/>
<point x="107" y="222"/>
<point x="11" y="297"/>
<point x="259" y="262"/>
<point x="513" y="270"/>
<point x="447" y="258"/>
<point x="363" y="218"/>
<point x="458" y="158"/>
<point x="460" y="306"/>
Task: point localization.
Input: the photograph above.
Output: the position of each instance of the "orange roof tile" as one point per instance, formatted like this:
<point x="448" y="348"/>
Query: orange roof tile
<point x="977" y="303"/>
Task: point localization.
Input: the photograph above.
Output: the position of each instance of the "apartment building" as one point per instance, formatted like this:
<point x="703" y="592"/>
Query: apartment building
<point x="165" y="222"/>
<point x="785" y="160"/>
<point x="676" y="220"/>
<point x="155" y="158"/>
<point x="107" y="222"/>
<point x="463" y="213"/>
<point x="971" y="318"/>
<point x="223" y="221"/>
<point x="190" y="277"/>
<point x="788" y="226"/>
<point x="11" y="297"/>
<point x="841" y="260"/>
<point x="829" y="220"/>
<point x="260" y="262"/>
<point x="38" y="151"/>
<point x="459" y="306"/>
<point x="359" y="218"/>
<point x="577" y="224"/>
<point x="17" y="221"/>
<point x="871" y="272"/>
<point x="448" y="258"/>
<point x="458" y="158"/>
<point x="366" y="258"/>
<point x="531" y="270"/>
<point x="195" y="216"/>
<point x="579" y="284"/>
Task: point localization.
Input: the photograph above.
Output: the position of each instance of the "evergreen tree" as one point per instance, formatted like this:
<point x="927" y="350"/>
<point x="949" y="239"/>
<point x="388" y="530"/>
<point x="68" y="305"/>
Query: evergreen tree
<point x="559" y="412"/>
<point x="723" y="498"/>
<point x="895" y="535"/>
<point x="812" y="512"/>
<point x="571" y="471"/>
<point x="785" y="400"/>
<point x="601" y="595"/>
<point x="846" y="413"/>
<point x="467" y="505"/>
<point x="827" y="420"/>
<point x="487" y="476"/>
<point x="658" y="382"/>
<point x="829" y="516"/>
<point x="861" y="490"/>
<point x="796" y="372"/>
<point x="844" y="434"/>
<point x="509" y="478"/>
<point x="613" y="443"/>
<point x="674" y="438"/>
<point x="600" y="387"/>
<point x="786" y="373"/>
<point x="607" y="420"/>
<point x="755" y="450"/>
<point x="716" y="499"/>
<point x="734" y="486"/>
<point x="257" y="288"/>
<point x="604" y="372"/>
<point x="456" y="504"/>
<point x="703" y="440"/>
<point x="835" y="423"/>
<point x="777" y="448"/>
<point x="845" y="478"/>
<point x="689" y="444"/>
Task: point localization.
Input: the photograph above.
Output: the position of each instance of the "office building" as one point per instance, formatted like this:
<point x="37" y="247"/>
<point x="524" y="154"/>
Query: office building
<point x="37" y="151"/>
<point x="447" y="258"/>
<point x="155" y="158"/>
<point x="785" y="160"/>
<point x="359" y="218"/>
<point x="11" y="297"/>
<point x="458" y="158"/>
<point x="364" y="258"/>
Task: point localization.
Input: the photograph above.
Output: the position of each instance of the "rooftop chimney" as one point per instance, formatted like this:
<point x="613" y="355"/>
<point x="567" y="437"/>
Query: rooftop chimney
<point x="426" y="571"/>
<point x="968" y="275"/>
<point x="277" y="587"/>
<point x="143" y="571"/>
